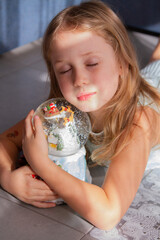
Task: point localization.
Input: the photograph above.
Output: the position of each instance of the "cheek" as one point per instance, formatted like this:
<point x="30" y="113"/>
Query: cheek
<point x="108" y="83"/>
<point x="64" y="87"/>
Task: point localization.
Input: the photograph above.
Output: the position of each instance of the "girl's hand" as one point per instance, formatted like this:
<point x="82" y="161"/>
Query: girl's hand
<point x="22" y="185"/>
<point x="34" y="144"/>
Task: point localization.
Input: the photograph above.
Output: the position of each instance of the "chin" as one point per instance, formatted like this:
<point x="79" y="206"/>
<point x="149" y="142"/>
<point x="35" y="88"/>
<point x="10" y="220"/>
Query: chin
<point x="85" y="108"/>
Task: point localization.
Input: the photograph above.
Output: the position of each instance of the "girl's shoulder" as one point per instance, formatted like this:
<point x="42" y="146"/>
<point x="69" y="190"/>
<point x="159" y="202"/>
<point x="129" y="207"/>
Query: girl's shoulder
<point x="149" y="122"/>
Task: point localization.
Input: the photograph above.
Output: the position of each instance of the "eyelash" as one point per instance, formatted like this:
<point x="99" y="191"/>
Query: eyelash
<point x="88" y="65"/>
<point x="92" y="65"/>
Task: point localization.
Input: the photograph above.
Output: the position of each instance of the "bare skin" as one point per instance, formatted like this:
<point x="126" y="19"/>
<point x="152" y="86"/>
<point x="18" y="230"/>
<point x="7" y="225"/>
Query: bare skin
<point x="20" y="182"/>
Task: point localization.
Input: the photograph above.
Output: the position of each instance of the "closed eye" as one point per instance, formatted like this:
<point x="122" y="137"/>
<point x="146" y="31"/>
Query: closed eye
<point x="92" y="65"/>
<point x="63" y="72"/>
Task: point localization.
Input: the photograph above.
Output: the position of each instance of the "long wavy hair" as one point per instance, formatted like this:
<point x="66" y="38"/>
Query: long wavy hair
<point x="97" y="17"/>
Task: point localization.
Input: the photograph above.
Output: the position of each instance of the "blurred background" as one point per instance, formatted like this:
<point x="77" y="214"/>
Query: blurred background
<point x="24" y="21"/>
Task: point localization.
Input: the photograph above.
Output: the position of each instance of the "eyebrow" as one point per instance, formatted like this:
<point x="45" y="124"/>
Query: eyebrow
<point x="83" y="55"/>
<point x="58" y="61"/>
<point x="86" y="54"/>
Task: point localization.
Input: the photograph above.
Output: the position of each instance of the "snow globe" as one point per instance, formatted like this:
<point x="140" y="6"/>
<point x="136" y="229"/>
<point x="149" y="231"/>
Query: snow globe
<point x="66" y="129"/>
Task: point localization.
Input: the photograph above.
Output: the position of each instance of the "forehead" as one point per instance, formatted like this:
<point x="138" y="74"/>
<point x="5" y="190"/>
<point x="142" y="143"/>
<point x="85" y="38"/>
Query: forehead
<point x="79" y="42"/>
<point x="73" y="37"/>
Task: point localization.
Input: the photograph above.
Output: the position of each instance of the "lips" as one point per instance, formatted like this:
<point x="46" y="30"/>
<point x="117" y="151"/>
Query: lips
<point x="85" y="96"/>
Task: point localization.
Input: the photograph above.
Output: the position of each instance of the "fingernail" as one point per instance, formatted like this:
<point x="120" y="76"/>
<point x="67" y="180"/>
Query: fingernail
<point x="36" y="117"/>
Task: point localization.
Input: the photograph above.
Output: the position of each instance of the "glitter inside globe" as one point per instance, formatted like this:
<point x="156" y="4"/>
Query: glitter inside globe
<point x="66" y="127"/>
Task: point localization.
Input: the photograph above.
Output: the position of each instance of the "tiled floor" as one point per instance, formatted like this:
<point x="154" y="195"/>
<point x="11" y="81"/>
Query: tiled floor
<point x="23" y="86"/>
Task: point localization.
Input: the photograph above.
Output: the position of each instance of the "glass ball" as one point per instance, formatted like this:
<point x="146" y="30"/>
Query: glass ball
<point x="66" y="127"/>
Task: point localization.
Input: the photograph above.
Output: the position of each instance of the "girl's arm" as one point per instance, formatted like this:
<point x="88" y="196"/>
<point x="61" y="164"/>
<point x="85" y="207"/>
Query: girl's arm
<point x="19" y="182"/>
<point x="10" y="144"/>
<point x="105" y="206"/>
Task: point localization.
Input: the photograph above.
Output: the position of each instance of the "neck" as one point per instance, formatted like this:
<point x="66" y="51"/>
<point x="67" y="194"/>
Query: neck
<point x="97" y="121"/>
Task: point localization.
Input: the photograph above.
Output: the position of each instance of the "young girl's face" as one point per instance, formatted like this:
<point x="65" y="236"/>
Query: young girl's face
<point x="86" y="69"/>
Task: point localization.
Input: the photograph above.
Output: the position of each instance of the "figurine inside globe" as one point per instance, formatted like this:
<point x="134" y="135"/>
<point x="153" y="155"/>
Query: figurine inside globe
<point x="66" y="128"/>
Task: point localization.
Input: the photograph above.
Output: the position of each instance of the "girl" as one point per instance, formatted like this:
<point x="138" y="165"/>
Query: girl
<point x="92" y="64"/>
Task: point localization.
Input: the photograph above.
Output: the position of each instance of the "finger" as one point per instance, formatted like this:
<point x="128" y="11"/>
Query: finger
<point x="48" y="196"/>
<point x="42" y="192"/>
<point x="41" y="186"/>
<point x="42" y="197"/>
<point x="34" y="182"/>
<point x="44" y="204"/>
<point x="45" y="190"/>
<point x="28" y="129"/>
<point x="33" y="194"/>
<point x="38" y="183"/>
<point x="38" y="126"/>
<point x="30" y="115"/>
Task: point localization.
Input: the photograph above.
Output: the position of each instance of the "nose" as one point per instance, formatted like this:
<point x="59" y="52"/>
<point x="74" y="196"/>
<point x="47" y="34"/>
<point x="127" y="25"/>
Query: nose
<point x="80" y="77"/>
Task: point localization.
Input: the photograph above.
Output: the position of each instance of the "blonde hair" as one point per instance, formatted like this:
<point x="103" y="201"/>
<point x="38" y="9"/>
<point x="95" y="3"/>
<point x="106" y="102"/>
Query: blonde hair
<point x="120" y="110"/>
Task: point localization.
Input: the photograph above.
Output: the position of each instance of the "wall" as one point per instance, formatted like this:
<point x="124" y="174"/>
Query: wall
<point x="143" y="15"/>
<point x="23" y="21"/>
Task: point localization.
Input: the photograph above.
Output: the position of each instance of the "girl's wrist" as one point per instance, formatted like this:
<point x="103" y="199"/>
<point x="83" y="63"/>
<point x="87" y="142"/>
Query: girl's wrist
<point x="47" y="170"/>
<point x="42" y="166"/>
